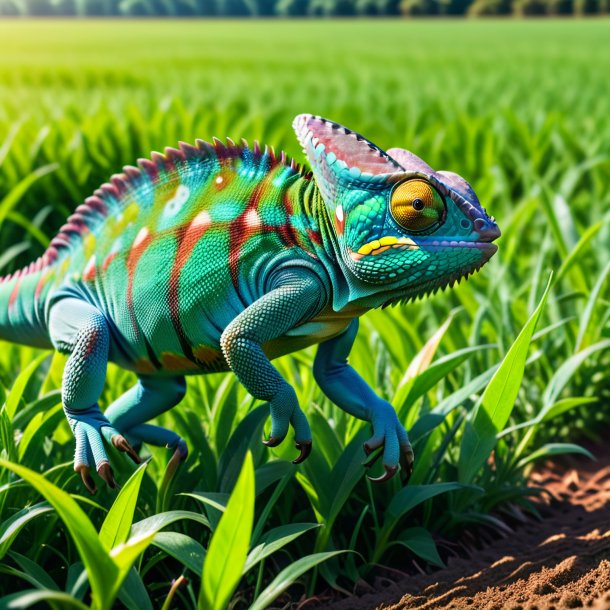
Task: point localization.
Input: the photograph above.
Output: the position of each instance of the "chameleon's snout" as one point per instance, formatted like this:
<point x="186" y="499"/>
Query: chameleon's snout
<point x="487" y="229"/>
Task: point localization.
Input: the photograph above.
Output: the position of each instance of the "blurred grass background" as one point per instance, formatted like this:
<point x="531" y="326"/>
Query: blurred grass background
<point x="518" y="108"/>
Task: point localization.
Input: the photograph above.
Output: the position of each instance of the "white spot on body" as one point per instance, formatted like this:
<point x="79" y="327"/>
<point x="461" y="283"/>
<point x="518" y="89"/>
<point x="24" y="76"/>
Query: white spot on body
<point x="252" y="219"/>
<point x="219" y="180"/>
<point x="140" y="237"/>
<point x="201" y="220"/>
<point x="339" y="213"/>
<point x="177" y="201"/>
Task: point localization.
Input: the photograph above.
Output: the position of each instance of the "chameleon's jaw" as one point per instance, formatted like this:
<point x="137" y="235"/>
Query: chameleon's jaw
<point x="406" y="268"/>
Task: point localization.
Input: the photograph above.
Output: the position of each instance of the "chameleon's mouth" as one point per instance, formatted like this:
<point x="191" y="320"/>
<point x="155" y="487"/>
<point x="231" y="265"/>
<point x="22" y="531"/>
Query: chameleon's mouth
<point x="378" y="246"/>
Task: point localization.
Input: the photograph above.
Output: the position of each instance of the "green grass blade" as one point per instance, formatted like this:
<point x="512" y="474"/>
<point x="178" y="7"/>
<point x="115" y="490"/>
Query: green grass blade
<point x="288" y="576"/>
<point x="117" y="524"/>
<point x="185" y="549"/>
<point x="101" y="569"/>
<point x="15" y="396"/>
<point x="274" y="540"/>
<point x="497" y="401"/>
<point x="419" y="541"/>
<point x="27" y="599"/>
<point x="551" y="449"/>
<point x="11" y="527"/>
<point x="228" y="548"/>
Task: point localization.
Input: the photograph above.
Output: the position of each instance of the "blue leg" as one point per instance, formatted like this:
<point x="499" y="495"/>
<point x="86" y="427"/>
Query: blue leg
<point x="342" y="384"/>
<point x="296" y="298"/>
<point x="150" y="397"/>
<point x="79" y="329"/>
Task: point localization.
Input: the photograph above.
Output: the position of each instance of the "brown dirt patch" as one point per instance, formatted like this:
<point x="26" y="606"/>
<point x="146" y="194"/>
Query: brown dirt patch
<point x="558" y="563"/>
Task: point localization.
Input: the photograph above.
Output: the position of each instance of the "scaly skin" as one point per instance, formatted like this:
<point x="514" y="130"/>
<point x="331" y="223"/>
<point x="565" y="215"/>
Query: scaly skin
<point x="222" y="257"/>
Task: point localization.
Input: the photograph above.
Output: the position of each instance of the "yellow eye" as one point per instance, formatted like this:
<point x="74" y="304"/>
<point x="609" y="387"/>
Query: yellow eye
<point x="416" y="205"/>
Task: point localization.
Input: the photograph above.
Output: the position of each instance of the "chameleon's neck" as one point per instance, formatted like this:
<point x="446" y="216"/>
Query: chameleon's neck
<point x="319" y="232"/>
<point x="308" y="205"/>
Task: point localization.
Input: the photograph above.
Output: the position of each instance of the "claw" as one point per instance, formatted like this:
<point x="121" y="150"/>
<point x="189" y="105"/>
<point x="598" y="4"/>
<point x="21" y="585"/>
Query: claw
<point x="87" y="478"/>
<point x="390" y="471"/>
<point x="120" y="442"/>
<point x="273" y="441"/>
<point x="305" y="449"/>
<point x="105" y="471"/>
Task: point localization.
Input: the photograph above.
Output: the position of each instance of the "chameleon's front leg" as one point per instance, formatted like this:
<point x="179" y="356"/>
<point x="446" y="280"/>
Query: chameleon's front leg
<point x="296" y="297"/>
<point x="342" y="384"/>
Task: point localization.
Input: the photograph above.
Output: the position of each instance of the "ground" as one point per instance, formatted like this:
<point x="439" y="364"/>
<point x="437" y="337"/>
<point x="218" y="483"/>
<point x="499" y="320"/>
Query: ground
<point x="559" y="562"/>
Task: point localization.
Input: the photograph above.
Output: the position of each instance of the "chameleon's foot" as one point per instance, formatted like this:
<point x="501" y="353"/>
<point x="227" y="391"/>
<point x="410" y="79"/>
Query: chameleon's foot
<point x="286" y="412"/>
<point x="90" y="427"/>
<point x="390" y="437"/>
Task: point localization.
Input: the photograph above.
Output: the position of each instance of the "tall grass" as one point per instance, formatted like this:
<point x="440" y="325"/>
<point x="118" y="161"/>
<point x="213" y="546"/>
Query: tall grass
<point x="490" y="377"/>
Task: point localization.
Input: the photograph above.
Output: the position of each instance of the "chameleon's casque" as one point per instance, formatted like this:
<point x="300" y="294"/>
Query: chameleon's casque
<point x="223" y="256"/>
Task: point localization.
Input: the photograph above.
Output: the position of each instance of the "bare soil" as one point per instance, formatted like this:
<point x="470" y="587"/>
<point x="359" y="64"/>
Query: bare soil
<point x="560" y="562"/>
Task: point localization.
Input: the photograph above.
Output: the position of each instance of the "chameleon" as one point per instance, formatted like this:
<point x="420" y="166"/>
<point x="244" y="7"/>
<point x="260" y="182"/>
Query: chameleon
<point x="221" y="257"/>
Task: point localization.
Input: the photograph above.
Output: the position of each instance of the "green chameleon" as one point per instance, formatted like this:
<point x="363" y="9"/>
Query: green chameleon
<point x="219" y="257"/>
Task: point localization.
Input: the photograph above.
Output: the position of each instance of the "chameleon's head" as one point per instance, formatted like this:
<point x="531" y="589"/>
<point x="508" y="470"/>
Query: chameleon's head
<point x="402" y="229"/>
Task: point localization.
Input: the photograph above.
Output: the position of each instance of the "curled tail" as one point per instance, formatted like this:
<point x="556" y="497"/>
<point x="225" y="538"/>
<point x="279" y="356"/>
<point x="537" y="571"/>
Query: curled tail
<point x="22" y="299"/>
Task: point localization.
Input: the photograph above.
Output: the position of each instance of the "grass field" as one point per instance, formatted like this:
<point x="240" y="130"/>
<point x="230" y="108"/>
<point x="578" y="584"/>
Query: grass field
<point x="519" y="108"/>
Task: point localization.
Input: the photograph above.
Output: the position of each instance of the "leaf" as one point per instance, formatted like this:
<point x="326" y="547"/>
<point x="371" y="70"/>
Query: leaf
<point x="288" y="575"/>
<point x="187" y="551"/>
<point x="228" y="548"/>
<point x="274" y="540"/>
<point x="567" y="369"/>
<point x="133" y="593"/>
<point x="16" y="394"/>
<point x="10" y="528"/>
<point x="554" y="449"/>
<point x="11" y="199"/>
<point x="497" y="401"/>
<point x="591" y="302"/>
<point x="405" y="501"/>
<point x="26" y="599"/>
<point x="117" y="524"/>
<point x="420" y="541"/>
<point x="100" y="567"/>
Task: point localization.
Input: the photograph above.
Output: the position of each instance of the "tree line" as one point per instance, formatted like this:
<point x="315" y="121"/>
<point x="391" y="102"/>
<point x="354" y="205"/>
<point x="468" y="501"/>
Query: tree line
<point x="301" y="8"/>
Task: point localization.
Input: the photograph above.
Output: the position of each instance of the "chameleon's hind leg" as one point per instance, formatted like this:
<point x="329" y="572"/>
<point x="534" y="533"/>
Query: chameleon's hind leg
<point x="79" y="329"/>
<point x="150" y="397"/>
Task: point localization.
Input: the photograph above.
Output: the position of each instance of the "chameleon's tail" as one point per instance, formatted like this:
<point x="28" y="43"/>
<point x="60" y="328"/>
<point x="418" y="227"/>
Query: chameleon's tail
<point x="22" y="306"/>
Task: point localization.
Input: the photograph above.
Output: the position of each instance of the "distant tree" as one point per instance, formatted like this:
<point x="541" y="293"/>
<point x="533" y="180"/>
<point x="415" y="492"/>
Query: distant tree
<point x="418" y="7"/>
<point x="13" y="7"/>
<point x="291" y="8"/>
<point x="559" y="7"/>
<point x="522" y="8"/>
<point x="481" y="8"/>
<point x="453" y="7"/>
<point x="585" y="7"/>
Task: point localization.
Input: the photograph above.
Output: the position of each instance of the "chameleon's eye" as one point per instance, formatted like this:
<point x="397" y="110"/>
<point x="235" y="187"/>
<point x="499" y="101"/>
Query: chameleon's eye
<point x="416" y="205"/>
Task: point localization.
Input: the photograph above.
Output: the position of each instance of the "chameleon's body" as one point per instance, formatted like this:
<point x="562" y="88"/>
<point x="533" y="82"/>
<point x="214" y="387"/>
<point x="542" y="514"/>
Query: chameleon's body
<point x="219" y="257"/>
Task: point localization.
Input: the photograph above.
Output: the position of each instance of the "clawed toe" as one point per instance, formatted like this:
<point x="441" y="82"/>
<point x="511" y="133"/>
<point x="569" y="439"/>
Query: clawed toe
<point x="105" y="472"/>
<point x="305" y="450"/>
<point x="273" y="441"/>
<point x="88" y="481"/>
<point x="120" y="442"/>
<point x="390" y="471"/>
